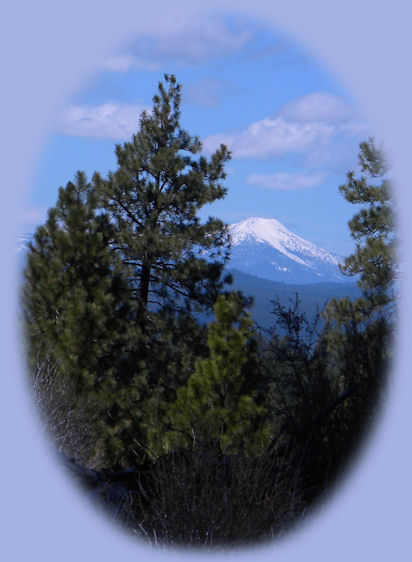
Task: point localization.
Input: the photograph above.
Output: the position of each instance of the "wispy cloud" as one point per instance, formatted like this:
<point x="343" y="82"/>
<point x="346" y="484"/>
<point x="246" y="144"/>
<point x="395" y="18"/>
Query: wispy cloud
<point x="316" y="127"/>
<point x="111" y="121"/>
<point x="273" y="136"/>
<point x="286" y="181"/>
<point x="185" y="41"/>
<point x="318" y="107"/>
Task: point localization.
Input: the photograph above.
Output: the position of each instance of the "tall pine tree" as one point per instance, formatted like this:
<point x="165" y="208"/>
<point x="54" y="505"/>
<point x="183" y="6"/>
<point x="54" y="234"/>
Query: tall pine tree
<point x="172" y="261"/>
<point x="153" y="198"/>
<point x="372" y="227"/>
<point x="112" y="280"/>
<point x="359" y="333"/>
<point x="374" y="232"/>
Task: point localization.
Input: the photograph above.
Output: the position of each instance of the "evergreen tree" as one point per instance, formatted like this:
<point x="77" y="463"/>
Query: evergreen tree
<point x="172" y="261"/>
<point x="76" y="310"/>
<point x="358" y="333"/>
<point x="372" y="228"/>
<point x="153" y="199"/>
<point x="220" y="405"/>
<point x="373" y="261"/>
<point x="324" y="387"/>
<point x="112" y="279"/>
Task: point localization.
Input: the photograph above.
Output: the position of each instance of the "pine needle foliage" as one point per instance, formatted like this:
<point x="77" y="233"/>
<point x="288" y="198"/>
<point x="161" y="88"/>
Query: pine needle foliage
<point x="153" y="199"/>
<point x="372" y="227"/>
<point x="111" y="283"/>
<point x="220" y="405"/>
<point x="76" y="310"/>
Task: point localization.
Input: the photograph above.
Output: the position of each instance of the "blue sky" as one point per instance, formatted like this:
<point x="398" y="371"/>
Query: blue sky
<point x="294" y="132"/>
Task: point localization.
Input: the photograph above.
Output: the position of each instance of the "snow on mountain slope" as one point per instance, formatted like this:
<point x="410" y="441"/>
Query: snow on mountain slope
<point x="266" y="248"/>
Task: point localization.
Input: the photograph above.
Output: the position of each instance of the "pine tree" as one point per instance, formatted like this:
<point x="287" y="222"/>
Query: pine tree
<point x="112" y="279"/>
<point x="76" y="311"/>
<point x="372" y="227"/>
<point x="358" y="333"/>
<point x="373" y="261"/>
<point x="220" y="405"/>
<point x="153" y="199"/>
<point x="172" y="261"/>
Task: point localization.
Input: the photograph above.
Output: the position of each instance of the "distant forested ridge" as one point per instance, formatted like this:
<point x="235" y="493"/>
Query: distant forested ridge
<point x="313" y="296"/>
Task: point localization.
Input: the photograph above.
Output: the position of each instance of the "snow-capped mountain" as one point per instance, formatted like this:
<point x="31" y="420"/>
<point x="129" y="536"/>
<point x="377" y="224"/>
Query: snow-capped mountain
<point x="266" y="248"/>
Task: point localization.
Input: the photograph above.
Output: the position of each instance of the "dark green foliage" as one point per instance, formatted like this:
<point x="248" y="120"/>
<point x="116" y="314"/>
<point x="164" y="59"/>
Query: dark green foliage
<point x="76" y="310"/>
<point x="153" y="199"/>
<point x="220" y="403"/>
<point x="372" y="227"/>
<point x="303" y="398"/>
<point x="172" y="262"/>
<point x="325" y="381"/>
<point x="111" y="281"/>
<point x="297" y="383"/>
<point x="359" y="332"/>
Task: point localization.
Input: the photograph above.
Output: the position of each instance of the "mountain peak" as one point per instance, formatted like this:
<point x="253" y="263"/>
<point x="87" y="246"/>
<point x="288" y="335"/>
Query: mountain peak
<point x="281" y="250"/>
<point x="260" y="229"/>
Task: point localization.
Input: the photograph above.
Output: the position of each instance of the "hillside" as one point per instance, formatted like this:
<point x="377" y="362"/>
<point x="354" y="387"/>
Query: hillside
<point x="313" y="296"/>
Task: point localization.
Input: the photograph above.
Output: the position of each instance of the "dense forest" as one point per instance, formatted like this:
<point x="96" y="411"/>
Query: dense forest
<point x="218" y="433"/>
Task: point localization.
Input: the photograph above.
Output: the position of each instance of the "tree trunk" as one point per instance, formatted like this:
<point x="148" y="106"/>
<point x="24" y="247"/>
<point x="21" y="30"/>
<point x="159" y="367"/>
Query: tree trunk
<point x="143" y="295"/>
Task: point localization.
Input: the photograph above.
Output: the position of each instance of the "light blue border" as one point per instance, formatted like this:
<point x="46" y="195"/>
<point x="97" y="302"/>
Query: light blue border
<point x="46" y="49"/>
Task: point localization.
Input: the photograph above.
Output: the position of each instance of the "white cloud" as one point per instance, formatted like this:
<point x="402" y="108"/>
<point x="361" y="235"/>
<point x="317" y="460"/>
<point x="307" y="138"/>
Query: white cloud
<point x="185" y="41"/>
<point x="285" y="181"/>
<point x="111" y="121"/>
<point x="318" y="107"/>
<point x="320" y="128"/>
<point x="273" y="136"/>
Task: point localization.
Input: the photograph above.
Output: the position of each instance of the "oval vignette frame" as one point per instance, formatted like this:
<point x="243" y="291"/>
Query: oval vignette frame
<point x="356" y="506"/>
